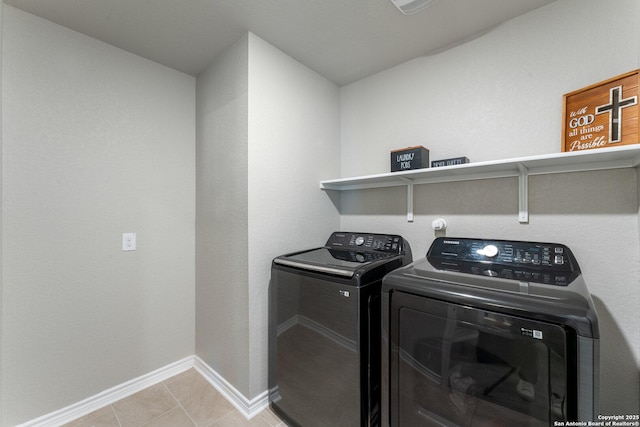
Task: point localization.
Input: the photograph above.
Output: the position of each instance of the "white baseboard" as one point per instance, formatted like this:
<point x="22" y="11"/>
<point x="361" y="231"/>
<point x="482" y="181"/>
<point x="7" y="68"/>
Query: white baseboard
<point x="247" y="407"/>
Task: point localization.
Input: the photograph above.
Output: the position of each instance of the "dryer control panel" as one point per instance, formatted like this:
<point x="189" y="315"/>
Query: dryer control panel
<point x="550" y="263"/>
<point x="367" y="242"/>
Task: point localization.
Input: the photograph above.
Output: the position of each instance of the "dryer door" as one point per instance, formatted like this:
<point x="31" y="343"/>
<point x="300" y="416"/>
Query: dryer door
<point x="457" y="365"/>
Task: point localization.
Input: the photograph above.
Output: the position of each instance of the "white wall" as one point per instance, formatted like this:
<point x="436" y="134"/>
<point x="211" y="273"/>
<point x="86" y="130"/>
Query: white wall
<point x="294" y="137"/>
<point x="268" y="132"/>
<point x="96" y="142"/>
<point x="1" y="211"/>
<point x="221" y="220"/>
<point x="500" y="96"/>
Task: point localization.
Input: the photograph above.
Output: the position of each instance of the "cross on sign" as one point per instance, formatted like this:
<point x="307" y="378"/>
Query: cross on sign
<point x="615" y="107"/>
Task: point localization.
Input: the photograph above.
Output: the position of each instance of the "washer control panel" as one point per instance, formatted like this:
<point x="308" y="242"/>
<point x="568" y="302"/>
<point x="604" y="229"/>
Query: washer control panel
<point x="550" y="263"/>
<point x="366" y="242"/>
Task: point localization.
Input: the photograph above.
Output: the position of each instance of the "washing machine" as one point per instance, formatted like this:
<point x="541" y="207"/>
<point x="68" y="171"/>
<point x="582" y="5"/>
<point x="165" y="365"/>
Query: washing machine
<point x="324" y="329"/>
<point x="489" y="333"/>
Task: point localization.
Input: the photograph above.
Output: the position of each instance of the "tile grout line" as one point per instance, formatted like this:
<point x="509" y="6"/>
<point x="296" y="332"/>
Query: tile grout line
<point x="164" y="383"/>
<point x="160" y="415"/>
<point x="209" y="424"/>
<point x="228" y="414"/>
<point x="165" y="413"/>
<point x="178" y="405"/>
<point x="115" y="414"/>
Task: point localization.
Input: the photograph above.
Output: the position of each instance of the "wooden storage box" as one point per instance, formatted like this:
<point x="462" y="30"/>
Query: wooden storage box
<point x="602" y="115"/>
<point x="409" y="158"/>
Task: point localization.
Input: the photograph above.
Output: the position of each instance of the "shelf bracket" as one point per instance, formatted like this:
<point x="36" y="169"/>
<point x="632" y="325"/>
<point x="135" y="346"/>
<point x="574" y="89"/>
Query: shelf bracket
<point x="409" y="183"/>
<point x="523" y="194"/>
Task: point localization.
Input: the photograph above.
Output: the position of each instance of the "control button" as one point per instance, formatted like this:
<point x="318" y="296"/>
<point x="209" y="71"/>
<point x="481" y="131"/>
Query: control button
<point x="559" y="250"/>
<point x="559" y="259"/>
<point x="490" y="273"/>
<point x="489" y="251"/>
<point x="359" y="240"/>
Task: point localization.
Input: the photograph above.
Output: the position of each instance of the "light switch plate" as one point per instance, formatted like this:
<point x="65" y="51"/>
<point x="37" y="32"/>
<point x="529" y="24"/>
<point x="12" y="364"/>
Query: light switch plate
<point x="128" y="241"/>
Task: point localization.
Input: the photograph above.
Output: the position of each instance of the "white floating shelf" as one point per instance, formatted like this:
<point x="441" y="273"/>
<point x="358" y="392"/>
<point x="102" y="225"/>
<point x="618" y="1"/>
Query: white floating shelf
<point x="627" y="156"/>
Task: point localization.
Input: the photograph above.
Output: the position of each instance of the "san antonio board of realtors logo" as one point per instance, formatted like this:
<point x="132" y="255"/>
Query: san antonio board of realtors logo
<point x="602" y="115"/>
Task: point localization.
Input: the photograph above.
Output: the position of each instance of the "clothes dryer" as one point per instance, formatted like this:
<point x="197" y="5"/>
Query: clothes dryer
<point x="489" y="333"/>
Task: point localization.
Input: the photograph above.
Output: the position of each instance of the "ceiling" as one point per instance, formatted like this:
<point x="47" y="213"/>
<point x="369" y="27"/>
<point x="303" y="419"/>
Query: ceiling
<point x="343" y="40"/>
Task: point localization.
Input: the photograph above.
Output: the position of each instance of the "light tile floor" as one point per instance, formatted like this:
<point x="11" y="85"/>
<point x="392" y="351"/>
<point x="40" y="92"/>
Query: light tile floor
<point x="186" y="400"/>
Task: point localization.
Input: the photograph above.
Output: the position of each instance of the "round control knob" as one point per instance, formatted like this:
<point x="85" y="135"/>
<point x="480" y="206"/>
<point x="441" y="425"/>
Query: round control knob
<point x="490" y="251"/>
<point x="359" y="240"/>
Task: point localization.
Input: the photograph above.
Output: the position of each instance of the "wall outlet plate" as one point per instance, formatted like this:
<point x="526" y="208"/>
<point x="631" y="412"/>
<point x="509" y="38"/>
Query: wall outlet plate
<point x="128" y="241"/>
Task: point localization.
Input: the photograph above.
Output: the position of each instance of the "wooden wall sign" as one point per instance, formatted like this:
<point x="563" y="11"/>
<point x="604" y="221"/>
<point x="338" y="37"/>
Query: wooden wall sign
<point x="602" y="115"/>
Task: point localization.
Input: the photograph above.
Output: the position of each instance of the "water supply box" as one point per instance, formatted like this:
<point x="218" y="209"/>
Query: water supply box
<point x="409" y="158"/>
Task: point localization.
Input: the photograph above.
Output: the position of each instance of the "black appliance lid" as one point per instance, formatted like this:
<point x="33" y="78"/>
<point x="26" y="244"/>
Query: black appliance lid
<point x="345" y="253"/>
<point x="331" y="261"/>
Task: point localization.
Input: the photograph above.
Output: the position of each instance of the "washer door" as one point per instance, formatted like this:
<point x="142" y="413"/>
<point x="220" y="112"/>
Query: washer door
<point x="457" y="365"/>
<point x="318" y="350"/>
